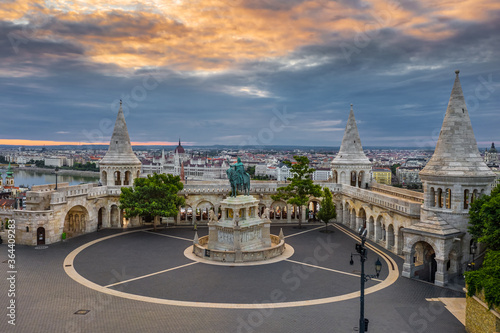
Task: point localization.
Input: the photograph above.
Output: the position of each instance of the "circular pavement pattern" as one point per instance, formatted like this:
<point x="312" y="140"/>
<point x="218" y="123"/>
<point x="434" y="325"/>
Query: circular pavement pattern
<point x="156" y="267"/>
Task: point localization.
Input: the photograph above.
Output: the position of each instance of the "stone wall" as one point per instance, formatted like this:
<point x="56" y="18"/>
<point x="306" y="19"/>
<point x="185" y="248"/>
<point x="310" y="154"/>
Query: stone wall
<point x="478" y="318"/>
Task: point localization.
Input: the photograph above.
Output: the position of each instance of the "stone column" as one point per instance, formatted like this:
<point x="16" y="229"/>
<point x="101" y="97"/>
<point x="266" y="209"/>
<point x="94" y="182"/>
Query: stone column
<point x="441" y="277"/>
<point x="238" y="255"/>
<point x="289" y="213"/>
<point x="345" y="216"/>
<point x="359" y="222"/>
<point x="396" y="243"/>
<point x="194" y="216"/>
<point x="408" y="266"/>
<point x="266" y="233"/>
<point x="377" y="232"/>
<point x="212" y="236"/>
<point x="369" y="229"/>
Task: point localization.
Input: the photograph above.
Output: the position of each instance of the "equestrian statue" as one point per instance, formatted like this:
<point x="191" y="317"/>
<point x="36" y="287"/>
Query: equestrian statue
<point x="239" y="179"/>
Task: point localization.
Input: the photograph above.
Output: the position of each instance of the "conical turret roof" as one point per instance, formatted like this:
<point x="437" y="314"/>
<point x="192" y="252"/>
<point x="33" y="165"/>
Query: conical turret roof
<point x="9" y="172"/>
<point x="120" y="150"/>
<point x="456" y="152"/>
<point x="351" y="150"/>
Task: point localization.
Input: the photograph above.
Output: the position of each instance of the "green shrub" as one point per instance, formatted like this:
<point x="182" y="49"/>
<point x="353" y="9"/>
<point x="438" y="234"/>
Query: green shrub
<point x="486" y="279"/>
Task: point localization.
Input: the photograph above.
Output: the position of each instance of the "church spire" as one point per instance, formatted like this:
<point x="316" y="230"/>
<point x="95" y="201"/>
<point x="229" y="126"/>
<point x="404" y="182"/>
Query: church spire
<point x="456" y="152"/>
<point x="120" y="150"/>
<point x="351" y="150"/>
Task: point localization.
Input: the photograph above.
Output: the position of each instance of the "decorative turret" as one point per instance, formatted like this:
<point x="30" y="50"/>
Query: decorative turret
<point x="119" y="166"/>
<point x="351" y="166"/>
<point x="456" y="174"/>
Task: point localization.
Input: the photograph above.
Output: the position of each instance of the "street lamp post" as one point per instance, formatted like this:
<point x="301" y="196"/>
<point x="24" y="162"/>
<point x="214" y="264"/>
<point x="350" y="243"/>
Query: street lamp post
<point x="56" y="171"/>
<point x="361" y="252"/>
<point x="473" y="249"/>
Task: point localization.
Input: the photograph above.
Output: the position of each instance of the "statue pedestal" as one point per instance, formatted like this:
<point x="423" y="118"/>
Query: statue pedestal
<point x="240" y="235"/>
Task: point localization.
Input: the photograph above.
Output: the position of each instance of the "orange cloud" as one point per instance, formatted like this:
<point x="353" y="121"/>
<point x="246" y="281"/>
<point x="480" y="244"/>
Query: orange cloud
<point x="214" y="35"/>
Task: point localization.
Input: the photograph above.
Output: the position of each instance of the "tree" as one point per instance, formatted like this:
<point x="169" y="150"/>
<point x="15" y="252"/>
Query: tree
<point x="484" y="219"/>
<point x="394" y="167"/>
<point x="301" y="186"/>
<point x="152" y="197"/>
<point x="327" y="210"/>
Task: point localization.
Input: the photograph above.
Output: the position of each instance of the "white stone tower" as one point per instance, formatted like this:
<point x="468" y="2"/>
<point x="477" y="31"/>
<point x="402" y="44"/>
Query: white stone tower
<point x="455" y="175"/>
<point x="351" y="166"/>
<point x="119" y="166"/>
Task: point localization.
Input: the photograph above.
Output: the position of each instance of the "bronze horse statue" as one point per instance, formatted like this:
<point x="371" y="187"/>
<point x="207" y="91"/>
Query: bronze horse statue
<point x="236" y="183"/>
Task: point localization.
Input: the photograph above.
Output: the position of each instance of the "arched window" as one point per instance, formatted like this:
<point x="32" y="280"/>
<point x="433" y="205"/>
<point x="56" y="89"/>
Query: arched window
<point x="448" y="198"/>
<point x="353" y="178"/>
<point x="432" y="197"/>
<point x="118" y="180"/>
<point x="360" y="179"/>
<point x="466" y="199"/>
<point x="440" y="198"/>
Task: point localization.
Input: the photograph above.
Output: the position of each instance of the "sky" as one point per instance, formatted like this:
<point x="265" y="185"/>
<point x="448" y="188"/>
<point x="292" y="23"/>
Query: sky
<point x="246" y="72"/>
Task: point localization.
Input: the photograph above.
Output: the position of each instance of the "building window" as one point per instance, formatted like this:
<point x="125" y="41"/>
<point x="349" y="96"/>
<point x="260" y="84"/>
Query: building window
<point x="440" y="198"/>
<point x="448" y="198"/>
<point x="466" y="199"/>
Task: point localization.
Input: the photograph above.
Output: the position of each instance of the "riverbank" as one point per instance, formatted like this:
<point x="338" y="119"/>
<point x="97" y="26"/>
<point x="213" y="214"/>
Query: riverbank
<point x="63" y="171"/>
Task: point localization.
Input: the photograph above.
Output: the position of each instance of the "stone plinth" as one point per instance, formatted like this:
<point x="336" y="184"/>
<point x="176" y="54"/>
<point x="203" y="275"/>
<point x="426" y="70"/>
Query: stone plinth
<point x="240" y="234"/>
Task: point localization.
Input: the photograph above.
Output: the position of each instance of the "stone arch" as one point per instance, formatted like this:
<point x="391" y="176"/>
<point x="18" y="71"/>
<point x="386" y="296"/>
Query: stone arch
<point x="342" y="177"/>
<point x="114" y="216"/>
<point x="40" y="236"/>
<point x="432" y="197"/>
<point x="424" y="259"/>
<point x="313" y="206"/>
<point x="101" y="218"/>
<point x="117" y="177"/>
<point x="75" y="221"/>
<point x="448" y="198"/>
<point x="371" y="228"/>
<point x="127" y="180"/>
<point x="400" y="237"/>
<point x="390" y="237"/>
<point x="138" y="174"/>
<point x="104" y="178"/>
<point x="203" y="208"/>
<point x="361" y="218"/>
<point x="186" y="214"/>
<point x="466" y="199"/>
<point x="353" y="178"/>
<point x="361" y="176"/>
<point x="378" y="228"/>
<point x="439" y="198"/>
<point x="335" y="176"/>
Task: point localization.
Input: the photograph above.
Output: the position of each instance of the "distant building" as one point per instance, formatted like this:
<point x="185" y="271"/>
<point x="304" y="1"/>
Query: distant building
<point x="382" y="176"/>
<point x="322" y="174"/>
<point x="491" y="157"/>
<point x="408" y="175"/>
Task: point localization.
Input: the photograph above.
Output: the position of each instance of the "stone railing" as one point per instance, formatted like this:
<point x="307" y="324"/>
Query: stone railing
<point x="398" y="192"/>
<point x="379" y="199"/>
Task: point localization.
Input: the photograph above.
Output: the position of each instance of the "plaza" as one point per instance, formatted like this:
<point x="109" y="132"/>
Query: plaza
<point x="137" y="280"/>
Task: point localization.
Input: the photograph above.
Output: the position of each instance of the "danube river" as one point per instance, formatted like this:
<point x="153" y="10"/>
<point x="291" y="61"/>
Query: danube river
<point x="33" y="177"/>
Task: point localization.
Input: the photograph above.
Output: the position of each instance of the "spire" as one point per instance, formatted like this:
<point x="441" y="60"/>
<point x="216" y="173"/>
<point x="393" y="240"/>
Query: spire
<point x="351" y="150"/>
<point x="179" y="141"/>
<point x="120" y="150"/>
<point x="456" y="152"/>
<point x="9" y="172"/>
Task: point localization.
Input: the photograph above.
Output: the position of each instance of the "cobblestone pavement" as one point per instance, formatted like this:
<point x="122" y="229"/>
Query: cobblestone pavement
<point x="47" y="298"/>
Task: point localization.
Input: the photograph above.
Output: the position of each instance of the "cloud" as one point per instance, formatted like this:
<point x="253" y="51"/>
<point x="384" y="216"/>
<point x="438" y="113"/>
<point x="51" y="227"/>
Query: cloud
<point x="222" y="67"/>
